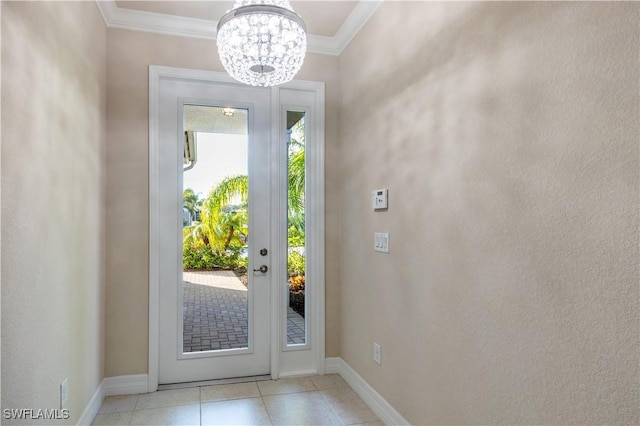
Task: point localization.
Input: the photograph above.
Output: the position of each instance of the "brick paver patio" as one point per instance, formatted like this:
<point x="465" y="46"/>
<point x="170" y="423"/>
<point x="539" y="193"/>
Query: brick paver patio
<point x="215" y="313"/>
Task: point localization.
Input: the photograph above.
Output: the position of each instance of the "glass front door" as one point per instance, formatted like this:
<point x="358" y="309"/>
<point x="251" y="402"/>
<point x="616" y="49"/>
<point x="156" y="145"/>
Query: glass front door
<point x="214" y="281"/>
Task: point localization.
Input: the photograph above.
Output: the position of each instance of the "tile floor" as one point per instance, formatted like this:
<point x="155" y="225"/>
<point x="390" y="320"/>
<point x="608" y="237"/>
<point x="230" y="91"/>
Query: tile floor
<point x="316" y="400"/>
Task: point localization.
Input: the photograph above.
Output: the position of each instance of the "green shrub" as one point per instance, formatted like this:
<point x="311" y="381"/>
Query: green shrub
<point x="204" y="257"/>
<point x="295" y="236"/>
<point x="295" y="263"/>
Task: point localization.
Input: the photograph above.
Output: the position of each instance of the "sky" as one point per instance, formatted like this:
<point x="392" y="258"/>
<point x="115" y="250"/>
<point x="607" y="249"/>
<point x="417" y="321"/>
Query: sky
<point x="219" y="155"/>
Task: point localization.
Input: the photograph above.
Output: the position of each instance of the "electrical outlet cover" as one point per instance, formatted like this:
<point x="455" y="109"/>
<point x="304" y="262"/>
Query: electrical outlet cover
<point x="377" y="353"/>
<point x="64" y="393"/>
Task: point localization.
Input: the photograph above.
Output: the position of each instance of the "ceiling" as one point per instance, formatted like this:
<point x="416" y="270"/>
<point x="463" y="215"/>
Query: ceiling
<point x="330" y="24"/>
<point x="209" y="119"/>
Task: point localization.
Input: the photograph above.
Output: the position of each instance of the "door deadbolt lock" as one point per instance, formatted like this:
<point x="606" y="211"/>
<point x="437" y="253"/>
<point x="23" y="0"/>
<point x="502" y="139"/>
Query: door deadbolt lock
<point x="263" y="252"/>
<point x="262" y="268"/>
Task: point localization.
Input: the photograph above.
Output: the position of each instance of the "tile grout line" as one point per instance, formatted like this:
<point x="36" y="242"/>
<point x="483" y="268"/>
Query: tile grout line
<point x="324" y="398"/>
<point x="314" y="388"/>
<point x="264" y="403"/>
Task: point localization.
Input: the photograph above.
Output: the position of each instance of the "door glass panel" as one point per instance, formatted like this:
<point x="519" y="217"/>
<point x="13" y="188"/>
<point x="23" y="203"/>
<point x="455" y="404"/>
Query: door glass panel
<point x="296" y="240"/>
<point x="215" y="296"/>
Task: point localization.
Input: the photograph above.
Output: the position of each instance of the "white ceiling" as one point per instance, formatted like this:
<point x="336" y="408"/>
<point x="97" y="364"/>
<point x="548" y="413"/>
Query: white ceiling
<point x="330" y="24"/>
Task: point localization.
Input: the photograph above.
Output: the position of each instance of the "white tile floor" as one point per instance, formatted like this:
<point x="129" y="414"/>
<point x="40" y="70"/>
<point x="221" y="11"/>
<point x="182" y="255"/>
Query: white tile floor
<point x="316" y="400"/>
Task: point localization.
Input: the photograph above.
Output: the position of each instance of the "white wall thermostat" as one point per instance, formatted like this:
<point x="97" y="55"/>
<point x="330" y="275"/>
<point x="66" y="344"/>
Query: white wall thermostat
<point x="379" y="199"/>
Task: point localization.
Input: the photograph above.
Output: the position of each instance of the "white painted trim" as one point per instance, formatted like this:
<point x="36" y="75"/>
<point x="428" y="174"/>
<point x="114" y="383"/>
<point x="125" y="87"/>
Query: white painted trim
<point x="119" y="385"/>
<point x="316" y="218"/>
<point x="154" y="246"/>
<point x="332" y="365"/>
<point x="315" y="225"/>
<point x="93" y="407"/>
<point x="316" y="195"/>
<point x="276" y="260"/>
<point x="156" y="72"/>
<point x="373" y="399"/>
<point x="319" y="258"/>
<point x="360" y="15"/>
<point x="125" y="385"/>
<point x="159" y="23"/>
<point x="104" y="8"/>
<point x="323" y="45"/>
<point x="138" y="20"/>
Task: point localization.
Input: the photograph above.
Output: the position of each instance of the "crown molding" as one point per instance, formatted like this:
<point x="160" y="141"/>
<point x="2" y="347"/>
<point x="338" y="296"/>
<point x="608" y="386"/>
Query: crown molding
<point x="359" y="16"/>
<point x="138" y="20"/>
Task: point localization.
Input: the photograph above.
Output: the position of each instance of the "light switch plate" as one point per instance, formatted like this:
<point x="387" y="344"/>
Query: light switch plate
<point x="381" y="242"/>
<point x="379" y="199"/>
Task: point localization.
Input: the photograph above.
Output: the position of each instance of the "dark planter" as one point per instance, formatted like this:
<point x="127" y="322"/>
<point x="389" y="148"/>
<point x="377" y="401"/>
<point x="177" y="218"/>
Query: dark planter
<point x="296" y="301"/>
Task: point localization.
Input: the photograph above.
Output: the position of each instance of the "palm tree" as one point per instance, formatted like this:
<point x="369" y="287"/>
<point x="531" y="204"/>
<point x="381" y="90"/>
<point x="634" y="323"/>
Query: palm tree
<point x="296" y="182"/>
<point x="222" y="225"/>
<point x="234" y="226"/>
<point x="217" y="225"/>
<point x="296" y="177"/>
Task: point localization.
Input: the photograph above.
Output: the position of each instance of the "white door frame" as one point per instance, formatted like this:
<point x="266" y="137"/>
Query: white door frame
<point x="280" y="364"/>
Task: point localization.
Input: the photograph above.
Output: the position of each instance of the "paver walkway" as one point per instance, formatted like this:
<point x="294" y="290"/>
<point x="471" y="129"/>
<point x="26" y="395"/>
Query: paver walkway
<point x="295" y="327"/>
<point x="215" y="313"/>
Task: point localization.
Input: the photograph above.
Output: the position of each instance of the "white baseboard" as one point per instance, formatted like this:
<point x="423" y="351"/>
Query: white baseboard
<point x="126" y="385"/>
<point x="120" y="385"/>
<point x="93" y="407"/>
<point x="139" y="383"/>
<point x="373" y="399"/>
<point x="332" y="365"/>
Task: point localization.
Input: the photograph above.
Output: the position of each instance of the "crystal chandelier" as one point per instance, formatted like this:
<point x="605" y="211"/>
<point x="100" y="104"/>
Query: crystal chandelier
<point x="262" y="42"/>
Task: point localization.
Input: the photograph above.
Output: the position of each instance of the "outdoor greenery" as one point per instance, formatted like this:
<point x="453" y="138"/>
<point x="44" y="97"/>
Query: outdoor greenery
<point x="204" y="257"/>
<point x="192" y="202"/>
<point x="295" y="263"/>
<point x="219" y="238"/>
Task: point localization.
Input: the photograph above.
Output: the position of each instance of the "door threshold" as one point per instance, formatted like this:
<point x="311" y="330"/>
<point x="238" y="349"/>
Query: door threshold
<point x="214" y="382"/>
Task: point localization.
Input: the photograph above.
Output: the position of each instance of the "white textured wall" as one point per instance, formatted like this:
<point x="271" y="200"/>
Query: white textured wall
<point x="53" y="135"/>
<point x="507" y="134"/>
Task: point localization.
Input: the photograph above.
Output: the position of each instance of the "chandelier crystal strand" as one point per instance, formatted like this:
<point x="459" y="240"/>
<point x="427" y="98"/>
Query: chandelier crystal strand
<point x="262" y="43"/>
